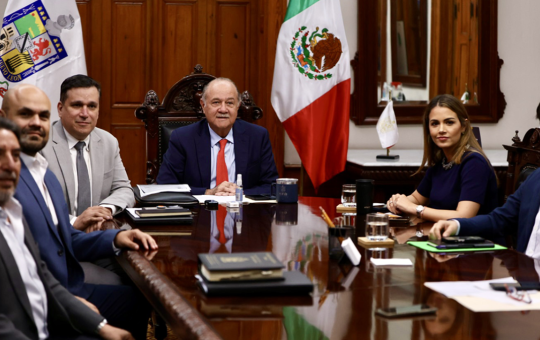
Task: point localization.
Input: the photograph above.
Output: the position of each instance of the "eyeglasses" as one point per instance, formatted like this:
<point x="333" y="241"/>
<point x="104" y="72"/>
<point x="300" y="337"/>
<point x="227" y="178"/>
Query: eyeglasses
<point x="517" y="295"/>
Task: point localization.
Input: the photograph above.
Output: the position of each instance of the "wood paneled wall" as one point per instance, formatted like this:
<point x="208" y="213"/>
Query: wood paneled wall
<point x="133" y="46"/>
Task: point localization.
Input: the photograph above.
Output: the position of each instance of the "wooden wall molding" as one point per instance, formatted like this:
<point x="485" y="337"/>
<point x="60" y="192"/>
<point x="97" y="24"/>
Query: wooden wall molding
<point x="133" y="46"/>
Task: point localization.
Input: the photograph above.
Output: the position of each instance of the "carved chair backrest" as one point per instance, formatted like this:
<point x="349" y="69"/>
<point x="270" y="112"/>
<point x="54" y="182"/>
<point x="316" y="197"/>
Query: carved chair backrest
<point x="523" y="159"/>
<point x="180" y="107"/>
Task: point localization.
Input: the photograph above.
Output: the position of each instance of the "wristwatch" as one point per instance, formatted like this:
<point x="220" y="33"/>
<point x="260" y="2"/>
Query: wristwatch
<point x="101" y="325"/>
<point x="419" y="211"/>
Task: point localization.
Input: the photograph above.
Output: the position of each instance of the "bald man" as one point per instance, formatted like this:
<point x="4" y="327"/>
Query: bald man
<point x="46" y="211"/>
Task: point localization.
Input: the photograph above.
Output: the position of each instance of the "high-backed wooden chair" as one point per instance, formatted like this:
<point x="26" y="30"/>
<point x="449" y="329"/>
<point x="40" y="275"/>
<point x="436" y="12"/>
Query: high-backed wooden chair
<point x="180" y="107"/>
<point x="523" y="159"/>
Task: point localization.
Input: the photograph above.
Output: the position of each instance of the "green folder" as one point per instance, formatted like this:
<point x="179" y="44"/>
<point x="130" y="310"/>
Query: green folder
<point x="424" y="245"/>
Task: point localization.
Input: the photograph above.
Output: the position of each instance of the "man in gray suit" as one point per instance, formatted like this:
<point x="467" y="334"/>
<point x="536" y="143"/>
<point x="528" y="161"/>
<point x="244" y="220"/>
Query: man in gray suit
<point x="33" y="304"/>
<point x="85" y="159"/>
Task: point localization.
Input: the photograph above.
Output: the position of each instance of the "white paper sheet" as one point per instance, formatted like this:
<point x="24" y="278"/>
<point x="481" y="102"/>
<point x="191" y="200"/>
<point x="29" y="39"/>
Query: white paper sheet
<point x="391" y="262"/>
<point x="132" y="212"/>
<point x="146" y="190"/>
<point x="225" y="199"/>
<point x="479" y="297"/>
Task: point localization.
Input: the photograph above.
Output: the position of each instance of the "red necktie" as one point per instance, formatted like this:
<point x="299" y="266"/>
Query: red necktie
<point x="221" y="214"/>
<point x="221" y="168"/>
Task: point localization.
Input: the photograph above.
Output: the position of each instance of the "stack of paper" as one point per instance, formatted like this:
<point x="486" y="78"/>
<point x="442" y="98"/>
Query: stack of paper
<point x="146" y="190"/>
<point x="479" y="297"/>
<point x="391" y="262"/>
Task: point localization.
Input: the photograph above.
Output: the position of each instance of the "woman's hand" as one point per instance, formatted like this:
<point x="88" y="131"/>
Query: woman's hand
<point x="399" y="204"/>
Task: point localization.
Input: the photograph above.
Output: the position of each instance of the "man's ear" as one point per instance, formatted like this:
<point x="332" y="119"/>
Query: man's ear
<point x="3" y="114"/>
<point x="59" y="107"/>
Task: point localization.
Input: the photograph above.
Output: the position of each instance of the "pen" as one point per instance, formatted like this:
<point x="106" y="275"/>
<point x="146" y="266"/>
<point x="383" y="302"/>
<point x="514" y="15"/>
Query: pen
<point x="326" y="218"/>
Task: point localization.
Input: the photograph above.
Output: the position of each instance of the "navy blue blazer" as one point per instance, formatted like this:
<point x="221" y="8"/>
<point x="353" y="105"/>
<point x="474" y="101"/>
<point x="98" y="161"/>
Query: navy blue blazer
<point x="61" y="248"/>
<point x="187" y="160"/>
<point x="519" y="212"/>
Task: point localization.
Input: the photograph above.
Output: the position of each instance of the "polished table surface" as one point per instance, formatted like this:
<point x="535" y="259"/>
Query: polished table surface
<point x="345" y="297"/>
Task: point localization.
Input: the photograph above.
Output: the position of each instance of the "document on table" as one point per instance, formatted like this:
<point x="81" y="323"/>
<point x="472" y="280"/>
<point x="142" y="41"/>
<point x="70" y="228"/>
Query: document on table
<point x="146" y="190"/>
<point x="479" y="297"/>
<point x="391" y="262"/>
<point x="225" y="199"/>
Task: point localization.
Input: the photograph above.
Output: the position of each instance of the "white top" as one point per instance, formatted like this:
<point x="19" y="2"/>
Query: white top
<point x="412" y="158"/>
<point x="13" y="232"/>
<point x="228" y="228"/>
<point x="229" y="156"/>
<point x="533" y="248"/>
<point x="38" y="167"/>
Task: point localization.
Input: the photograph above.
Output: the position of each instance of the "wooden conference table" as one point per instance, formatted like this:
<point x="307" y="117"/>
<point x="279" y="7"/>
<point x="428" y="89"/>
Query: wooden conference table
<point x="345" y="297"/>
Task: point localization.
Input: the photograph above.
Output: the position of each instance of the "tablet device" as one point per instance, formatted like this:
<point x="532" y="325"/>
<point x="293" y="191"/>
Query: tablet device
<point x="439" y="244"/>
<point x="463" y="239"/>
<point x="261" y="197"/>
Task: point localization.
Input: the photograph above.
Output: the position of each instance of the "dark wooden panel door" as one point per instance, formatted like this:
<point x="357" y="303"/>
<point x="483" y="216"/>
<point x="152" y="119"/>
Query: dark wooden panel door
<point x="133" y="46"/>
<point x="465" y="47"/>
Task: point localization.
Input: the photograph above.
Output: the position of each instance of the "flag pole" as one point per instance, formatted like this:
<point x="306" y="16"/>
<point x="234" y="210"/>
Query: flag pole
<point x="385" y="118"/>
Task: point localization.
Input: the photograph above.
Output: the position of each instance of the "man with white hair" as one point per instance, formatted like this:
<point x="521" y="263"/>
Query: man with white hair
<point x="209" y="154"/>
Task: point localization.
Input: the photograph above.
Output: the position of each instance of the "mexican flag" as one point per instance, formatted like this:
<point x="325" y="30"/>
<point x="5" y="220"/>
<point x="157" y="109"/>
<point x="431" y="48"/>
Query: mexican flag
<point x="41" y="44"/>
<point x="311" y="88"/>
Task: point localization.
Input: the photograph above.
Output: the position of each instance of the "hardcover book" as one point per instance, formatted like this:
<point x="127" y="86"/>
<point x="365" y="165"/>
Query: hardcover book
<point x="240" y="266"/>
<point x="293" y="283"/>
<point x="163" y="212"/>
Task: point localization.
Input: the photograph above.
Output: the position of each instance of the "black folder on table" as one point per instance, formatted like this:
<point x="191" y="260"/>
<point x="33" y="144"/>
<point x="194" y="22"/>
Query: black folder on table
<point x="293" y="283"/>
<point x="168" y="220"/>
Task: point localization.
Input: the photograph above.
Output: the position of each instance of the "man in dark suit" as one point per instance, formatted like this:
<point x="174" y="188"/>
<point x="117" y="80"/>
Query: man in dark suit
<point x="521" y="211"/>
<point x="33" y="304"/>
<point x="46" y="212"/>
<point x="209" y="154"/>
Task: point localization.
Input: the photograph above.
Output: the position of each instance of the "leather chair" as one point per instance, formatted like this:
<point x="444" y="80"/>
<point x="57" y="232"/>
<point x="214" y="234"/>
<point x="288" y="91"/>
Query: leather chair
<point x="523" y="159"/>
<point x="476" y="133"/>
<point x="180" y="107"/>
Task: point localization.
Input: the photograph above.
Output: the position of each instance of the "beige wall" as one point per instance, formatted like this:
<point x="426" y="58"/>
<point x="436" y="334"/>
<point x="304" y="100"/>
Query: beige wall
<point x="519" y="48"/>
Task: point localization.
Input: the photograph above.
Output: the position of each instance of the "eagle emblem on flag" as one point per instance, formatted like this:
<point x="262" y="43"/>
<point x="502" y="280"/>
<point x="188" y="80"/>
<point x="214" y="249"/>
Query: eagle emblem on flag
<point x="30" y="41"/>
<point x="314" y="54"/>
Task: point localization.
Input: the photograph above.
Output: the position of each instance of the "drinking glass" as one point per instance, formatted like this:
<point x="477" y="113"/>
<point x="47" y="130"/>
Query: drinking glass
<point x="377" y="227"/>
<point x="348" y="195"/>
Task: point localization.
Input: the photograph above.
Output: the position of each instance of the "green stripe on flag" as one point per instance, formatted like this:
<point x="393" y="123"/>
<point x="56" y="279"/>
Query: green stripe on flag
<point x="299" y="328"/>
<point x="297" y="6"/>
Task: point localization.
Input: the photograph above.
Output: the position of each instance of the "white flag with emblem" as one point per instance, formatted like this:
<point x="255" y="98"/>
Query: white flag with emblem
<point x="387" y="127"/>
<point x="41" y="43"/>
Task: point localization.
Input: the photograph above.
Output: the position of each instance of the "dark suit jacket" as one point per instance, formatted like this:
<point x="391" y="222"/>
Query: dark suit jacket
<point x="16" y="318"/>
<point x="61" y="248"/>
<point x="187" y="160"/>
<point x="519" y="212"/>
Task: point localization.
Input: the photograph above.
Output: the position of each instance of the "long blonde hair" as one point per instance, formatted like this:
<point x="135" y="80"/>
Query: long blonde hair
<point x="467" y="142"/>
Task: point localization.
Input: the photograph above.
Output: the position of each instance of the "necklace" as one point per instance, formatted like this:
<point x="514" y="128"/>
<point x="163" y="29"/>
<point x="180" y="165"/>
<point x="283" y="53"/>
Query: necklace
<point x="447" y="166"/>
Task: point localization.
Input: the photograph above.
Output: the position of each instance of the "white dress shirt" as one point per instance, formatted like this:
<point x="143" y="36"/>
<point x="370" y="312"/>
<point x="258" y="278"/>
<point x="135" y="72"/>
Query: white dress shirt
<point x="228" y="230"/>
<point x="533" y="248"/>
<point x="38" y="167"/>
<point x="72" y="141"/>
<point x="229" y="156"/>
<point x="13" y="232"/>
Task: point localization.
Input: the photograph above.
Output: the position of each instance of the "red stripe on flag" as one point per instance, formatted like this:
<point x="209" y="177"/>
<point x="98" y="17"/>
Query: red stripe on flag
<point x="320" y="133"/>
